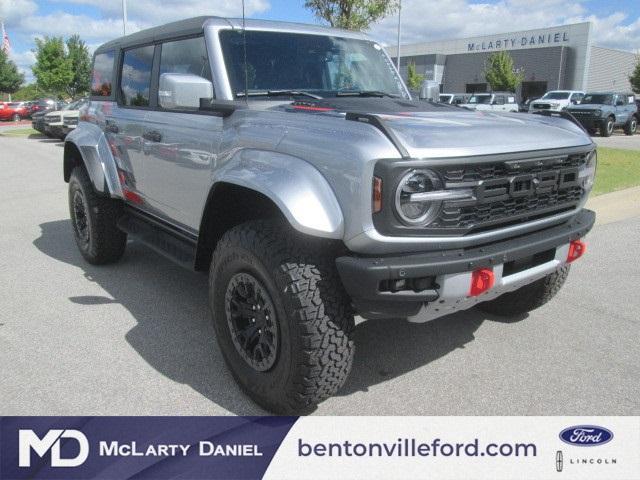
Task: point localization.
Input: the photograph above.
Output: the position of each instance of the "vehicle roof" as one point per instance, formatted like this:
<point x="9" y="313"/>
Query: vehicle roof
<point x="609" y="93"/>
<point x="195" y="25"/>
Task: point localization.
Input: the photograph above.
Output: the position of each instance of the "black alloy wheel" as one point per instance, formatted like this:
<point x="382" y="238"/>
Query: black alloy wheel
<point x="251" y="317"/>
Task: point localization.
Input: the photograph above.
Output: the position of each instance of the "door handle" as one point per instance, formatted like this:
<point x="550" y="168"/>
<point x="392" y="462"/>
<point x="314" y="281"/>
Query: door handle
<point x="111" y="127"/>
<point x="152" y="136"/>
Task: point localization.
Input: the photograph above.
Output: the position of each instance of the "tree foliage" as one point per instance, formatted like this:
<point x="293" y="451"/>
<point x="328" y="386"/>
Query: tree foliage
<point x="414" y="79"/>
<point x="10" y="77"/>
<point x="53" y="68"/>
<point x="28" y="92"/>
<point x="634" y="79"/>
<point x="351" y="14"/>
<point x="501" y="74"/>
<point x="78" y="55"/>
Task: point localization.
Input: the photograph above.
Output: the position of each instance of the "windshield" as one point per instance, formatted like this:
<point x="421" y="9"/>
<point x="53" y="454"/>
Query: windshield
<point x="480" y="99"/>
<point x="319" y="64"/>
<point x="598" y="98"/>
<point x="556" y="95"/>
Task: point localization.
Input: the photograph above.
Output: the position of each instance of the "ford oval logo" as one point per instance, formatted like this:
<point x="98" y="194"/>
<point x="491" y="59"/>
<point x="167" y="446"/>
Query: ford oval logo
<point x="586" y="435"/>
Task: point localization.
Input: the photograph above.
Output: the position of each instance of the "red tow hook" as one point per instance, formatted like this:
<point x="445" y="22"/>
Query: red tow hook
<point x="481" y="280"/>
<point x="577" y="248"/>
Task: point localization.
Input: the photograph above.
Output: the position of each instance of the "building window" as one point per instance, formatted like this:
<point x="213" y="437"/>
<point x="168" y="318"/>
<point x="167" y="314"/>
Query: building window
<point x="532" y="90"/>
<point x="476" y="88"/>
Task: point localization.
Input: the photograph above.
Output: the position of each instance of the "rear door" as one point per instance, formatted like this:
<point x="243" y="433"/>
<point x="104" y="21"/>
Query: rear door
<point x="125" y="123"/>
<point x="180" y="141"/>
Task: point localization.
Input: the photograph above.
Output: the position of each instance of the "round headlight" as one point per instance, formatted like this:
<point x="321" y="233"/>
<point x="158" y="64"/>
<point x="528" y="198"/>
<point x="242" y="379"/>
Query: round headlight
<point x="597" y="112"/>
<point x="411" y="209"/>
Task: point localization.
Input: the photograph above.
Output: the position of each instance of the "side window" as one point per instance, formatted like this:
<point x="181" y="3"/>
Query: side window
<point x="102" y="74"/>
<point x="136" y="76"/>
<point x="499" y="100"/>
<point x="511" y="100"/>
<point x="188" y="57"/>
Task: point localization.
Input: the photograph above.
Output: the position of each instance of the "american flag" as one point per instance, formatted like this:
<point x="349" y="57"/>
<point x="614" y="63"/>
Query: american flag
<point x="6" y="44"/>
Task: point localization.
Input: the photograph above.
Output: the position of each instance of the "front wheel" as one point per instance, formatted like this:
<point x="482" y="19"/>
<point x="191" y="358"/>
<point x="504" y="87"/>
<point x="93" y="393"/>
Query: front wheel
<point x="632" y="126"/>
<point x="606" y="129"/>
<point x="94" y="220"/>
<point x="529" y="297"/>
<point x="281" y="316"/>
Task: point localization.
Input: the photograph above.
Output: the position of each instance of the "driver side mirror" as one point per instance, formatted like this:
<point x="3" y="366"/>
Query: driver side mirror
<point x="183" y="91"/>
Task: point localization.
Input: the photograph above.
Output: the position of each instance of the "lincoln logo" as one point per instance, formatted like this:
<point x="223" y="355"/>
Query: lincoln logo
<point x="586" y="435"/>
<point x="28" y="440"/>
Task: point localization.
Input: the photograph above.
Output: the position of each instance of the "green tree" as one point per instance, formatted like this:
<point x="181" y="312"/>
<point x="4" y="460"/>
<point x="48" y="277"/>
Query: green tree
<point x="351" y="14"/>
<point x="28" y="92"/>
<point x="53" y="68"/>
<point x="634" y="79"/>
<point x="501" y="74"/>
<point x="10" y="77"/>
<point x="414" y="79"/>
<point x="78" y="55"/>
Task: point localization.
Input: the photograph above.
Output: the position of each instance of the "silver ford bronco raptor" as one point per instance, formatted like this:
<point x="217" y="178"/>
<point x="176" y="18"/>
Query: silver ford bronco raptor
<point x="290" y="163"/>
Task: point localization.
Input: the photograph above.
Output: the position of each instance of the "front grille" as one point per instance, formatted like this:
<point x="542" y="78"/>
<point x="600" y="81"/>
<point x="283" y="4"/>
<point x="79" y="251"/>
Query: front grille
<point x="71" y="121"/>
<point x="510" y="192"/>
<point x="580" y="113"/>
<point x="541" y="105"/>
<point x="53" y="118"/>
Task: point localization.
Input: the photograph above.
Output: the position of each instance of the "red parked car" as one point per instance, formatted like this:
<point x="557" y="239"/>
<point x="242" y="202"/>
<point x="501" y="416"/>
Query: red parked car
<point x="14" y="111"/>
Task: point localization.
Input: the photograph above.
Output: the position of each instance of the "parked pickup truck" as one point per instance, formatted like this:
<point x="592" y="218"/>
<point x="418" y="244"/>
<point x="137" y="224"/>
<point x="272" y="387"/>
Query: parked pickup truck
<point x="290" y="163"/>
<point x="606" y="111"/>
<point x="494" y="102"/>
<point x="556" y="100"/>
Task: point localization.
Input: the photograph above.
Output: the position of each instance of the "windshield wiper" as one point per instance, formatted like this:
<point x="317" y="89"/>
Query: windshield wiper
<point x="278" y="93"/>
<point x="366" y="93"/>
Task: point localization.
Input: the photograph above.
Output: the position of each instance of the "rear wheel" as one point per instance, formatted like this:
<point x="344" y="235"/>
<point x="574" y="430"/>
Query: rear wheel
<point x="529" y="297"/>
<point x="632" y="126"/>
<point x="281" y="316"/>
<point x="94" y="220"/>
<point x="606" y="129"/>
<point x="16" y="117"/>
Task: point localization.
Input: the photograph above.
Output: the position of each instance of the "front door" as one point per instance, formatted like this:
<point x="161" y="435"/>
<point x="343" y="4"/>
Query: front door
<point x="180" y="143"/>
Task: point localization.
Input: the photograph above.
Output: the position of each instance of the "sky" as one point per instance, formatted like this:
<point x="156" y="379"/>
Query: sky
<point x="616" y="22"/>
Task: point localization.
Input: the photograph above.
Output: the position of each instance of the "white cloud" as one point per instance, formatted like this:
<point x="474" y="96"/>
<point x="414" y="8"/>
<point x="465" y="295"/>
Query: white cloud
<point x="427" y="20"/>
<point x="12" y="11"/>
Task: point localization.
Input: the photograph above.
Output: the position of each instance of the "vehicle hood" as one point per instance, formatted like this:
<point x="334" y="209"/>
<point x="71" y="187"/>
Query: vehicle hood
<point x="426" y="129"/>
<point x="588" y="106"/>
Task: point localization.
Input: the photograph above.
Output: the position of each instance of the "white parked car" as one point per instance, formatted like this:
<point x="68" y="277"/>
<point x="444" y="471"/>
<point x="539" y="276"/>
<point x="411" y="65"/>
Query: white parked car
<point x="494" y="101"/>
<point x="454" y="98"/>
<point x="556" y="100"/>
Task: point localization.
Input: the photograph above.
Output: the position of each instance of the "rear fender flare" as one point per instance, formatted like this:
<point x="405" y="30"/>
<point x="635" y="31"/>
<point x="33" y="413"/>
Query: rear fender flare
<point x="97" y="158"/>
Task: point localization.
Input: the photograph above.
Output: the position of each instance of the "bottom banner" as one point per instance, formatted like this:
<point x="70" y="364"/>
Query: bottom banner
<point x="320" y="447"/>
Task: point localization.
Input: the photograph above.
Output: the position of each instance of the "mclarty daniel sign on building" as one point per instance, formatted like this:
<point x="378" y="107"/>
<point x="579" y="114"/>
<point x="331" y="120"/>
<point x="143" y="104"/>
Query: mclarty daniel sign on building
<point x="525" y="41"/>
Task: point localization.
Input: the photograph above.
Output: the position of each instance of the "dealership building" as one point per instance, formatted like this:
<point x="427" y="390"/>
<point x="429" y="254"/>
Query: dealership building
<point x="555" y="58"/>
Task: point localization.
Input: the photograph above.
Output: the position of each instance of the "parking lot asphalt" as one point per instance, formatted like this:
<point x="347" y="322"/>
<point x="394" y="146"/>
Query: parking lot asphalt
<point x="619" y="140"/>
<point x="135" y="337"/>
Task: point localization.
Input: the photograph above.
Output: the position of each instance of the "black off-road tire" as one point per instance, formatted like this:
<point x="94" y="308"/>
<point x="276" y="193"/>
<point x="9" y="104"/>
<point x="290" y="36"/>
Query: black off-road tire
<point x="529" y="297"/>
<point x="313" y="314"/>
<point x="632" y="126"/>
<point x="607" y="127"/>
<point x="101" y="241"/>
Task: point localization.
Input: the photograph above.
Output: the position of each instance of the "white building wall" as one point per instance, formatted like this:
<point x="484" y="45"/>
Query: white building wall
<point x="610" y="69"/>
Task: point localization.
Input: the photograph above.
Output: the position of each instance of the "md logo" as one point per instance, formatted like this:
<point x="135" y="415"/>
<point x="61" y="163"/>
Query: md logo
<point x="28" y="440"/>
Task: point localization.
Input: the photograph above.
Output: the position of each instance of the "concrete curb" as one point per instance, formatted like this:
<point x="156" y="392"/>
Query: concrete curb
<point x="615" y="206"/>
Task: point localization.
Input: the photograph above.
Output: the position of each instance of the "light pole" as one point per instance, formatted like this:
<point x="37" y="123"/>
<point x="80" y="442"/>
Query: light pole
<point x="124" y="17"/>
<point x="398" y="51"/>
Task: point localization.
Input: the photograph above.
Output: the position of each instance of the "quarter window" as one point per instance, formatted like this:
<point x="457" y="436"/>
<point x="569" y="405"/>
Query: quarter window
<point x="102" y="75"/>
<point x="136" y="76"/>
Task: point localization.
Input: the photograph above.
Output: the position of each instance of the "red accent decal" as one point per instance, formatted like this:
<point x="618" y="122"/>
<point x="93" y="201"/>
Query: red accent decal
<point x="132" y="196"/>
<point x="314" y="109"/>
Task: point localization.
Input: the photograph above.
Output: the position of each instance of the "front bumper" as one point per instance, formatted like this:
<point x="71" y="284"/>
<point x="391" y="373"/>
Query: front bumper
<point x="446" y="275"/>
